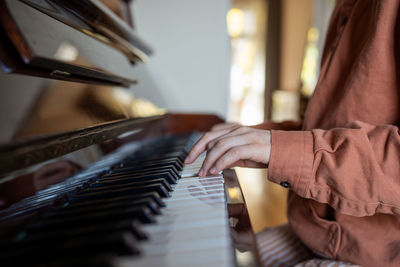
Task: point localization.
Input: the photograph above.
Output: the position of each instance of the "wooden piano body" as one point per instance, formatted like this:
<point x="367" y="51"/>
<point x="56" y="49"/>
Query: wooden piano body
<point x="79" y="46"/>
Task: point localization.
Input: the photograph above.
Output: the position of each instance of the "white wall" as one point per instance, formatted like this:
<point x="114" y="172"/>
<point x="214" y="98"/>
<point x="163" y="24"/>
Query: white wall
<point x="189" y="71"/>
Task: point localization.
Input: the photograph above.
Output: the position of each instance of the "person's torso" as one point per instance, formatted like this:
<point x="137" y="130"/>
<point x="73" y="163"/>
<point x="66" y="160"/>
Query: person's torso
<point x="359" y="80"/>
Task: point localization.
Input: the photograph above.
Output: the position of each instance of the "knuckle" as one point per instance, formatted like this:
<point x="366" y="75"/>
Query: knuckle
<point x="209" y="159"/>
<point x="235" y="153"/>
<point x="205" y="165"/>
<point x="238" y="130"/>
<point x="217" y="126"/>
<point x="221" y="163"/>
<point x="221" y="143"/>
<point x="242" y="129"/>
<point x="193" y="151"/>
<point x="206" y="136"/>
<point x="203" y="140"/>
<point x="209" y="146"/>
<point x="247" y="129"/>
<point x="254" y="135"/>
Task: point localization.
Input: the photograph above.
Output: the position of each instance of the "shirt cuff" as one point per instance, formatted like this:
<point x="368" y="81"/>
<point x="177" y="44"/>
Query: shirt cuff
<point x="291" y="159"/>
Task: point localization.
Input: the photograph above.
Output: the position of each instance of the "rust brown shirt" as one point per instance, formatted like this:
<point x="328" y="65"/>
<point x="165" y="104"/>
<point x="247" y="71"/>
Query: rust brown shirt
<point x="344" y="167"/>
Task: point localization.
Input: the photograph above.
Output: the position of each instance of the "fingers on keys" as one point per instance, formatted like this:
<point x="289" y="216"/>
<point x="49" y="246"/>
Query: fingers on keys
<point x="245" y="147"/>
<point x="220" y="148"/>
<point x="201" y="145"/>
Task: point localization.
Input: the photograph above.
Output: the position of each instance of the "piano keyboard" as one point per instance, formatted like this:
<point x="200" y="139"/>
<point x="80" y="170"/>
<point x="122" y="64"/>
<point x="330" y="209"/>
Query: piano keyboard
<point x="148" y="209"/>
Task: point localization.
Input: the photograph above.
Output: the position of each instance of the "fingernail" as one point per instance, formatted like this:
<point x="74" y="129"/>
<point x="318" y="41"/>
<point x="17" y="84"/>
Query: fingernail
<point x="213" y="170"/>
<point x="201" y="172"/>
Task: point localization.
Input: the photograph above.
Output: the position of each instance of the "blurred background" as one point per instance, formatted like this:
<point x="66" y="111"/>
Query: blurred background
<point x="244" y="60"/>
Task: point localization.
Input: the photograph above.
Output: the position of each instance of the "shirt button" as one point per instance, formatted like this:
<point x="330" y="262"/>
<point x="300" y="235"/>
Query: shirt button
<point x="344" y="20"/>
<point x="285" y="184"/>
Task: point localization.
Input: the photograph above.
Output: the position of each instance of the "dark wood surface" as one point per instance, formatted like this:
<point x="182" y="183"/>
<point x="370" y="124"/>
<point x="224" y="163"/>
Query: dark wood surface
<point x="85" y="15"/>
<point x="172" y="123"/>
<point x="11" y="62"/>
<point x="21" y="154"/>
<point x="24" y="60"/>
<point x="14" y="34"/>
<point x="183" y="123"/>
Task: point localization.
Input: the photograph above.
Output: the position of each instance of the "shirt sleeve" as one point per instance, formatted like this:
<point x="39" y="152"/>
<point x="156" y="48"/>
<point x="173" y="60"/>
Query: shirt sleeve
<point x="356" y="170"/>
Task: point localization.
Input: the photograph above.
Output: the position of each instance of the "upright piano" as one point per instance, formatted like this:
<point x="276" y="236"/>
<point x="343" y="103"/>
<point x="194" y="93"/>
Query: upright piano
<point x="85" y="178"/>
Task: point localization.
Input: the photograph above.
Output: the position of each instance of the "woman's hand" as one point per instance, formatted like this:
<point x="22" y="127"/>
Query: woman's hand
<point x="232" y="146"/>
<point x="225" y="126"/>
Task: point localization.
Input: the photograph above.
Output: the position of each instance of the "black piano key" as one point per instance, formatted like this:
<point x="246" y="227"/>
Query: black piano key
<point x="136" y="160"/>
<point x="104" y="205"/>
<point x="127" y="179"/>
<point x="104" y="259"/>
<point x="120" y="243"/>
<point x="152" y="195"/>
<point x="99" y="229"/>
<point x="155" y="163"/>
<point x="153" y="175"/>
<point x="143" y="172"/>
<point x="137" y="231"/>
<point x="127" y="182"/>
<point x="153" y="186"/>
<point x="157" y="155"/>
<point x="93" y="194"/>
<point x="144" y="164"/>
<point x="176" y="162"/>
<point x="96" y="260"/>
<point x="142" y="214"/>
<point x="79" y="211"/>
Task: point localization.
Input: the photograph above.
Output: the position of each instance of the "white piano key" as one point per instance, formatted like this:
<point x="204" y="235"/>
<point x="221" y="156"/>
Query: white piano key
<point x="189" y="233"/>
<point x="184" y="225"/>
<point x="184" y="246"/>
<point x="192" y="229"/>
<point x="193" y="169"/>
<point x="204" y="257"/>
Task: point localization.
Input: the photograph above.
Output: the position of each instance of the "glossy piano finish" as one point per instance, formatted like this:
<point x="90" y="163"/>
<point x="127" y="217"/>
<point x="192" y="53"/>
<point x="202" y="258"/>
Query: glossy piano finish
<point x="93" y="18"/>
<point x="58" y="40"/>
<point x="86" y="193"/>
<point x="24" y="153"/>
<point x="112" y="213"/>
